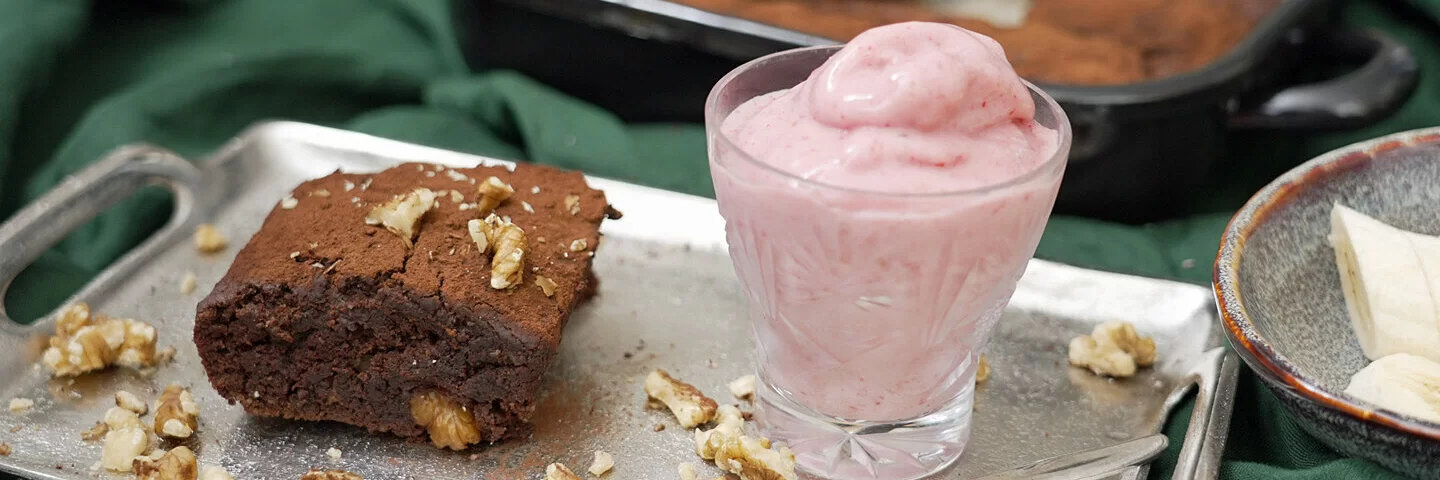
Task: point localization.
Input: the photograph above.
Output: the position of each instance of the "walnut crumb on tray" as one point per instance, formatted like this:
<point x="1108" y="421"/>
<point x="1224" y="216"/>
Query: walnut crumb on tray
<point x="690" y="407"/>
<point x="1114" y="349"/>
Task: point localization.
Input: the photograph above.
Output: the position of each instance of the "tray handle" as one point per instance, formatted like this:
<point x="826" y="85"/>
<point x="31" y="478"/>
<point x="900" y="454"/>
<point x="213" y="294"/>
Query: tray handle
<point x="82" y="196"/>
<point x="1361" y="97"/>
<point x="1210" y="422"/>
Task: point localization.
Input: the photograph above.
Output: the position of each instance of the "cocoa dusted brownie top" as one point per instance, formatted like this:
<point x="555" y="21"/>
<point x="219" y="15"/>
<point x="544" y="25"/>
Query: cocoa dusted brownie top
<point x="322" y="228"/>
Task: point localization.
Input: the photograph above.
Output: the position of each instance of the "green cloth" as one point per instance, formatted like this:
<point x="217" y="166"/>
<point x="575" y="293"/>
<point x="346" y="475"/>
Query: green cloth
<point x="82" y="77"/>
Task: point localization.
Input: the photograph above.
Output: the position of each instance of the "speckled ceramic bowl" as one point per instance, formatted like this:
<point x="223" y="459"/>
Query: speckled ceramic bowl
<point x="1279" y="291"/>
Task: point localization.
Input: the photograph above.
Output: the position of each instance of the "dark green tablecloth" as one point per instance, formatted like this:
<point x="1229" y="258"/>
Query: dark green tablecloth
<point x="79" y="77"/>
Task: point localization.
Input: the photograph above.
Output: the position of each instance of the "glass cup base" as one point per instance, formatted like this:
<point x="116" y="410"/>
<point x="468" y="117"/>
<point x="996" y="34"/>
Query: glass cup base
<point x="838" y="449"/>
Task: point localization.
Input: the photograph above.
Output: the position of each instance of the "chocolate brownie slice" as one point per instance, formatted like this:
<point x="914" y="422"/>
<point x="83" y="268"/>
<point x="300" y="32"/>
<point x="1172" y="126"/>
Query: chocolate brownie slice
<point x="325" y="316"/>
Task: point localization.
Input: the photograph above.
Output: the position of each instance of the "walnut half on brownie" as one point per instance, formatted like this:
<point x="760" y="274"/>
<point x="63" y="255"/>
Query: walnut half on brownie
<point x="365" y="299"/>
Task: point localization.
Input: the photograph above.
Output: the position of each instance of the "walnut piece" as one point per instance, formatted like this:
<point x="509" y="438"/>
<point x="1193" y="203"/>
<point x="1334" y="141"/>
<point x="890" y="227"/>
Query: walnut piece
<point x="96" y="432"/>
<point x="508" y="267"/>
<point x="316" y="474"/>
<point x="546" y="285"/>
<point x="208" y="239"/>
<point x="177" y="464"/>
<point x="1123" y="334"/>
<point x="187" y="283"/>
<point x="117" y="418"/>
<point x="687" y="471"/>
<point x="1114" y="349"/>
<point x="743" y="387"/>
<point x="176" y="413"/>
<point x="289" y="202"/>
<point x="21" y="405"/>
<point x="572" y="204"/>
<point x="122" y="445"/>
<point x="480" y="234"/>
<point x="558" y="471"/>
<point x="401" y="215"/>
<point x="603" y="463"/>
<point x="129" y="401"/>
<point x="579" y="245"/>
<point x="85" y="343"/>
<point x="492" y="193"/>
<point x="729" y="423"/>
<point x="214" y="472"/>
<point x="982" y="371"/>
<point x="690" y="406"/>
<point x="450" y="425"/>
<point x="5" y="449"/>
<point x="753" y="459"/>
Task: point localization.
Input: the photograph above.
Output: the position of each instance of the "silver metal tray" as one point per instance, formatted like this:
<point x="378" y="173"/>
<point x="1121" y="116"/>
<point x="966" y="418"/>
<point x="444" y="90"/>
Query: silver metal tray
<point x="669" y="299"/>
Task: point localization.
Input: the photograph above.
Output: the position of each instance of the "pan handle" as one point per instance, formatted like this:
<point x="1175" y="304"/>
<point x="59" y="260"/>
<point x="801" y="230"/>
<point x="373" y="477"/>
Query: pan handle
<point x="81" y="197"/>
<point x="1361" y="97"/>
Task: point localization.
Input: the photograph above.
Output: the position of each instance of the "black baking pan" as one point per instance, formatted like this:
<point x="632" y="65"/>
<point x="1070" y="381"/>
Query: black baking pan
<point x="1139" y="150"/>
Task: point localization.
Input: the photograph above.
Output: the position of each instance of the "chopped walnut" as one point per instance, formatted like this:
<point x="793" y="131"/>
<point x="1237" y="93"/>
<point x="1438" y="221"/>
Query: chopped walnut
<point x="546" y="285"/>
<point x="1123" y="334"/>
<point x="603" y="463"/>
<point x="129" y="401"/>
<point x="982" y="371"/>
<point x="187" y="283"/>
<point x="572" y="204"/>
<point x="558" y="471"/>
<point x="96" y="432"/>
<point x="729" y="423"/>
<point x="85" y="343"/>
<point x="177" y="464"/>
<point x="289" y="202"/>
<point x="687" y="471"/>
<point x="492" y="193"/>
<point x="5" y="449"/>
<point x="450" y="425"/>
<point x="579" y="245"/>
<point x="349" y="185"/>
<point x="743" y="387"/>
<point x="117" y="418"/>
<point x="176" y="413"/>
<point x="480" y="234"/>
<point x="21" y="405"/>
<point x="508" y="266"/>
<point x="122" y="445"/>
<point x="1113" y="349"/>
<point x="208" y="239"/>
<point x="320" y="192"/>
<point x="72" y="319"/>
<point x="456" y="197"/>
<point x="315" y="474"/>
<point x="401" y="215"/>
<point x="690" y="406"/>
<point x="214" y="472"/>
<point x="752" y="459"/>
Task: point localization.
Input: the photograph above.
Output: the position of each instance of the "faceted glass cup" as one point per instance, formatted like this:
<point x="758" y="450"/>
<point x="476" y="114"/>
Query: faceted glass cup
<point x="870" y="309"/>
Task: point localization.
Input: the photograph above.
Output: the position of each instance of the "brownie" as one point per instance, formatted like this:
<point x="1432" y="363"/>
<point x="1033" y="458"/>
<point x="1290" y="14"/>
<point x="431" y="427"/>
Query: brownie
<point x="325" y="317"/>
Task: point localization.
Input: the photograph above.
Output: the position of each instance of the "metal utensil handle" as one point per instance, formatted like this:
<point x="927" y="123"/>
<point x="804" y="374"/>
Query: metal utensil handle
<point x="1089" y="463"/>
<point x="82" y="196"/>
<point x="1195" y="461"/>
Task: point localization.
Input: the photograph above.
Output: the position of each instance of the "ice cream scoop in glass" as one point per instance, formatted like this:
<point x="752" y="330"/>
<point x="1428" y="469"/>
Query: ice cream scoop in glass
<point x="881" y="202"/>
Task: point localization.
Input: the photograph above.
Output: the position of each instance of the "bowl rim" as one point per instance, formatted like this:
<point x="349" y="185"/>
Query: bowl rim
<point x="1244" y="338"/>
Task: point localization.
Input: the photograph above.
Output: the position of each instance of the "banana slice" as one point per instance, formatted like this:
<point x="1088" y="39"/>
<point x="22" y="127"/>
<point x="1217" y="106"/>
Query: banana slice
<point x="1391" y="280"/>
<point x="1402" y="383"/>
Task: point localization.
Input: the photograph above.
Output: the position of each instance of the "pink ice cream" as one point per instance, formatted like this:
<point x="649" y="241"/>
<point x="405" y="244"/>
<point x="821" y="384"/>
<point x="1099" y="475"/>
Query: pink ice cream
<point x="877" y="279"/>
